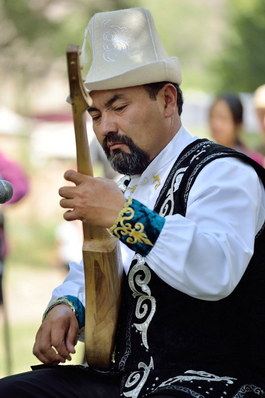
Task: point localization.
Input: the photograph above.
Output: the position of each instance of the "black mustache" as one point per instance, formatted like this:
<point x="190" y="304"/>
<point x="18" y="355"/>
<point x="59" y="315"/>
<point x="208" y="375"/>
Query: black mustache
<point x="112" y="139"/>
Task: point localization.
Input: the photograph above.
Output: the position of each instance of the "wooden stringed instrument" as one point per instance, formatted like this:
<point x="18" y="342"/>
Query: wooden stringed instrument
<point x="102" y="271"/>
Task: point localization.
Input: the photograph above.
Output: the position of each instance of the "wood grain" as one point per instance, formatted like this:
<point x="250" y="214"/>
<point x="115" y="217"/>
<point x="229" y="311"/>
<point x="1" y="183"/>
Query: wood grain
<point x="102" y="269"/>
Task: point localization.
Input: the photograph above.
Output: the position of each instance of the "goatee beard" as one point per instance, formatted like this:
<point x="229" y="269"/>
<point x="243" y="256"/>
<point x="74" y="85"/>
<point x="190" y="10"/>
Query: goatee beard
<point x="131" y="163"/>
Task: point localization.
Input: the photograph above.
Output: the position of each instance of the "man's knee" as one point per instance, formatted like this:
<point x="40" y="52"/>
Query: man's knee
<point x="14" y="386"/>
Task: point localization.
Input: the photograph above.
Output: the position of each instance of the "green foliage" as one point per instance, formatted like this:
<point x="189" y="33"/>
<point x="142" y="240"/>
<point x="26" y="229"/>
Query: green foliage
<point x="190" y="30"/>
<point x="38" y="236"/>
<point x="241" y="66"/>
<point x="35" y="35"/>
<point x="30" y="23"/>
<point x="38" y="31"/>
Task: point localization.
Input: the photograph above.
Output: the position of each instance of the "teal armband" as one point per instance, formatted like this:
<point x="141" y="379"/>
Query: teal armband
<point x="137" y="226"/>
<point x="72" y="302"/>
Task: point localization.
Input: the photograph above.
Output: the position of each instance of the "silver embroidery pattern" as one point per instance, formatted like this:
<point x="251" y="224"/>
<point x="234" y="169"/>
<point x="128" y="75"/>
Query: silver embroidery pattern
<point x="198" y="166"/>
<point x="146" y="304"/>
<point x="138" y="379"/>
<point x="168" y="206"/>
<point x="187" y="390"/>
<point x="191" y="375"/>
<point x="116" y="41"/>
<point x="249" y="388"/>
<point x="138" y="279"/>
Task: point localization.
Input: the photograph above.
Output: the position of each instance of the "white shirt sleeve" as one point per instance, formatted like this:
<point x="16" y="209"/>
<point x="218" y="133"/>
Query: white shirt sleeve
<point x="74" y="283"/>
<point x="205" y="253"/>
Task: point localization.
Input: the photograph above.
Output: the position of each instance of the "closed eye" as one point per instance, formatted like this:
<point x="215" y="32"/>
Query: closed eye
<point x="120" y="108"/>
<point x="94" y="115"/>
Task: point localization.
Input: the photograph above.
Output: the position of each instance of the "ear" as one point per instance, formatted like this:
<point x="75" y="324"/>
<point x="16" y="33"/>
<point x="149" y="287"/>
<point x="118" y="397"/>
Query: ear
<point x="170" y="99"/>
<point x="238" y="127"/>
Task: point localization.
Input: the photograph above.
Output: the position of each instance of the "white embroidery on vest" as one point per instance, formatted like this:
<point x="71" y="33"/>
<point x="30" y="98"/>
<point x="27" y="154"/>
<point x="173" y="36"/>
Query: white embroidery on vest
<point x="190" y="375"/>
<point x="168" y="206"/>
<point x="139" y="277"/>
<point x="249" y="388"/>
<point x="138" y="379"/>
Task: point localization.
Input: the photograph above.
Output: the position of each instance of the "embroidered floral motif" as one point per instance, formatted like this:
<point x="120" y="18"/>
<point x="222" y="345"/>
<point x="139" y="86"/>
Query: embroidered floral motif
<point x="168" y="206"/>
<point x="138" y="379"/>
<point x="156" y="179"/>
<point x="247" y="388"/>
<point x="198" y="383"/>
<point x="137" y="226"/>
<point x="132" y="188"/>
<point x="190" y="375"/>
<point x="188" y="391"/>
<point x="116" y="41"/>
<point x="139" y="277"/>
<point x="122" y="228"/>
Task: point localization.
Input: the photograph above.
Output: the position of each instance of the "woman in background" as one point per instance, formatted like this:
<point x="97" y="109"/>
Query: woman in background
<point x="226" y="122"/>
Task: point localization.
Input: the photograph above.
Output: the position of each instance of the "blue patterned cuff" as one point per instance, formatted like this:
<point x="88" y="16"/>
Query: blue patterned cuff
<point x="74" y="303"/>
<point x="79" y="310"/>
<point x="137" y="226"/>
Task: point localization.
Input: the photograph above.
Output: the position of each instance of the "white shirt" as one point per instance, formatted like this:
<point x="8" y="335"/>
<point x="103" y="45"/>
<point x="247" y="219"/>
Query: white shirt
<point x="205" y="253"/>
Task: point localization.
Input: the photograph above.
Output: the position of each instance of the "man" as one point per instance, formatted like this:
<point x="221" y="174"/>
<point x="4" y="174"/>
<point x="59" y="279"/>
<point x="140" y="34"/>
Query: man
<point x="190" y="219"/>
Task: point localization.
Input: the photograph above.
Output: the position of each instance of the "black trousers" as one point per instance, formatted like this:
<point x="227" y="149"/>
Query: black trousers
<point x="61" y="382"/>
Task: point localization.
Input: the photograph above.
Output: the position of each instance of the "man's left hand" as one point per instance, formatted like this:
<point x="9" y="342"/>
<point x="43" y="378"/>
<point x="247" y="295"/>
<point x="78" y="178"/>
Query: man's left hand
<point x="96" y="201"/>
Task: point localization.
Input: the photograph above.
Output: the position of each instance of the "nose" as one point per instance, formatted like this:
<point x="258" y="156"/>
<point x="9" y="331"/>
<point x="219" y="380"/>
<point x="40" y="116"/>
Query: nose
<point x="108" y="124"/>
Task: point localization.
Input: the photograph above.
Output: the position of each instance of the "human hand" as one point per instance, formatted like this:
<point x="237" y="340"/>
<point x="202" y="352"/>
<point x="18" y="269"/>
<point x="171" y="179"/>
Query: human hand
<point x="96" y="201"/>
<point x="57" y="335"/>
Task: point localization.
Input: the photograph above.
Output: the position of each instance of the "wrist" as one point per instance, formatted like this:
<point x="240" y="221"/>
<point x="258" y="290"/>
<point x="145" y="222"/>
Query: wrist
<point x="71" y="302"/>
<point x="137" y="226"/>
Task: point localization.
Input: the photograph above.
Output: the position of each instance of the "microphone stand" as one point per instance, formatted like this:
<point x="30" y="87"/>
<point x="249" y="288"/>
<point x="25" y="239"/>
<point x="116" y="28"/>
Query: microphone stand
<point x="6" y="329"/>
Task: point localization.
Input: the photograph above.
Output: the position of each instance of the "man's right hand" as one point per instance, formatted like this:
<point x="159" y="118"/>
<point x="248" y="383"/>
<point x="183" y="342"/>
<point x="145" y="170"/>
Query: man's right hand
<point x="57" y="336"/>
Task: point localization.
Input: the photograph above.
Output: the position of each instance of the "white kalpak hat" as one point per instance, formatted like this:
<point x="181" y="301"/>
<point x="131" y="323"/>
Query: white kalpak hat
<point x="126" y="51"/>
<point x="259" y="97"/>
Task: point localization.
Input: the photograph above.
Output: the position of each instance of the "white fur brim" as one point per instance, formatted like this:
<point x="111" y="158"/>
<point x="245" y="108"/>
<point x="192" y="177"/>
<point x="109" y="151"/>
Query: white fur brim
<point x="163" y="70"/>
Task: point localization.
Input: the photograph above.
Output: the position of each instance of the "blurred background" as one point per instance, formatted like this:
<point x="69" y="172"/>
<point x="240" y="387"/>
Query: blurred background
<point x="220" y="44"/>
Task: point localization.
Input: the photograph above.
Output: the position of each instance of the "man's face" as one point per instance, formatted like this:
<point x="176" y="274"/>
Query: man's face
<point x="261" y="117"/>
<point x="130" y="126"/>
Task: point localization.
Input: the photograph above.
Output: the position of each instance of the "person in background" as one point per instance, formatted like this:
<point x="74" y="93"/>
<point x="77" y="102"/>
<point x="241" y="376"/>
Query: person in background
<point x="259" y="105"/>
<point x="226" y="116"/>
<point x="189" y="216"/>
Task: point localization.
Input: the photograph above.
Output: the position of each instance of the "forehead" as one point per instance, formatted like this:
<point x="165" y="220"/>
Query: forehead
<point x="107" y="97"/>
<point x="220" y="106"/>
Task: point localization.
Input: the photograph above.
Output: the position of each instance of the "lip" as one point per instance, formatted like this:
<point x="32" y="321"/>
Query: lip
<point x="115" y="145"/>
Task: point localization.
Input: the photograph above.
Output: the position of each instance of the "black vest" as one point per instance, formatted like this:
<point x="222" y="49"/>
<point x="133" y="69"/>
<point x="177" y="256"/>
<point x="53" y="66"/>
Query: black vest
<point x="163" y="331"/>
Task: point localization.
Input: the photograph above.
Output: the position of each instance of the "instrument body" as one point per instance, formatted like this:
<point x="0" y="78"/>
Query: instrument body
<point x="102" y="269"/>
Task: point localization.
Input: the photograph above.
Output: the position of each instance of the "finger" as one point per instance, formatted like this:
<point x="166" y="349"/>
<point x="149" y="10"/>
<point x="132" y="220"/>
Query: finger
<point x="74" y="176"/>
<point x="71" y="338"/>
<point x="59" y="347"/>
<point x="67" y="192"/>
<point x="45" y="353"/>
<point x="51" y="357"/>
<point x="67" y="203"/>
<point x="71" y="215"/>
<point x="61" y="352"/>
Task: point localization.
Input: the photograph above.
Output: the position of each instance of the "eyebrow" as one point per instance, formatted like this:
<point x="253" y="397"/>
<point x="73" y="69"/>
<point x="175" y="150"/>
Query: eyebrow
<point x="108" y="103"/>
